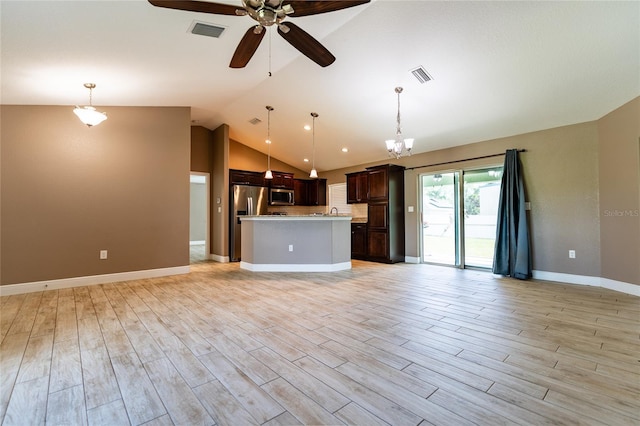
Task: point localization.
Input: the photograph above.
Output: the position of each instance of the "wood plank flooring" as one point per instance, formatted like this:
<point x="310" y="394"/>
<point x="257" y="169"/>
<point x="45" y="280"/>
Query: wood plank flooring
<point x="380" y="344"/>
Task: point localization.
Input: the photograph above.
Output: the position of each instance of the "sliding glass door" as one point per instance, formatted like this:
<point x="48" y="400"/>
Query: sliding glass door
<point x="440" y="224"/>
<point x="481" y="196"/>
<point x="459" y="214"/>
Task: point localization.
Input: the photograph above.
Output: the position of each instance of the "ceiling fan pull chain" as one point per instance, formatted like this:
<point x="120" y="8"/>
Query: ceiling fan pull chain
<point x="270" y="52"/>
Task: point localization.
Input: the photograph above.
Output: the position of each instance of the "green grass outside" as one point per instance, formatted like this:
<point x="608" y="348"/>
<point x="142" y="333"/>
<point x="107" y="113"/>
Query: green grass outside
<point x="444" y="247"/>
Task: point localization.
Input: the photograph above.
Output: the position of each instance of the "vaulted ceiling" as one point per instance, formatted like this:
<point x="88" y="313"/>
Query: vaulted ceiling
<point x="498" y="68"/>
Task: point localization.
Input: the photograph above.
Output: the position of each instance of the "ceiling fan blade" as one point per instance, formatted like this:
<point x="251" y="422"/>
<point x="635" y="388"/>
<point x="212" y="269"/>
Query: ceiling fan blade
<point x="247" y="47"/>
<point x="307" y="45"/>
<point x="305" y="8"/>
<point x="198" y="6"/>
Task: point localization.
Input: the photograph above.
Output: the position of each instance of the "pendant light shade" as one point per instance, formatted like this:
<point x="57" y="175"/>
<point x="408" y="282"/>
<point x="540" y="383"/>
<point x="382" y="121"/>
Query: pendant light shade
<point x="268" y="174"/>
<point x="88" y="114"/>
<point x="314" y="173"/>
<point x="399" y="146"/>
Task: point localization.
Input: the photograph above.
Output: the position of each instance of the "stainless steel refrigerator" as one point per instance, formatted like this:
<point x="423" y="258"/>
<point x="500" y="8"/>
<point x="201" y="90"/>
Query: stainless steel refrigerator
<point x="245" y="201"/>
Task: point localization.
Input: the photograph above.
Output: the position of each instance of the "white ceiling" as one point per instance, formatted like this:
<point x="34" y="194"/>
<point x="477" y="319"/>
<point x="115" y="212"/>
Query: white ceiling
<point x="498" y="68"/>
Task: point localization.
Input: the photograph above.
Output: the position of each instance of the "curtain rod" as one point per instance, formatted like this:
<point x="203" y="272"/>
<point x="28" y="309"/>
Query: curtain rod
<point x="459" y="161"/>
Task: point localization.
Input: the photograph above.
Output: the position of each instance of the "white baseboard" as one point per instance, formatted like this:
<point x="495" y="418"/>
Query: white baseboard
<point x="411" y="259"/>
<point x="607" y="283"/>
<point x="295" y="267"/>
<point x="7" y="290"/>
<point x="218" y="258"/>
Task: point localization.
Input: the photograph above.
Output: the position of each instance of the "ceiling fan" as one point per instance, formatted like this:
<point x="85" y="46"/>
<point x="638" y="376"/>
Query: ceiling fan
<point x="268" y="13"/>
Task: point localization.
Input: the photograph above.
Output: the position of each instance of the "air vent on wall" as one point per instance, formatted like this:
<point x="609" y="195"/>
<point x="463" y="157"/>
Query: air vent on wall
<point x="204" y="29"/>
<point x="255" y="121"/>
<point x="421" y="75"/>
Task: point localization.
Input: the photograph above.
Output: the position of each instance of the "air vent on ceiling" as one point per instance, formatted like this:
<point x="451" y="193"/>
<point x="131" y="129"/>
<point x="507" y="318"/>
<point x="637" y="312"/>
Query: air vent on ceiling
<point x="255" y="121"/>
<point x="208" y="30"/>
<point x="421" y="75"/>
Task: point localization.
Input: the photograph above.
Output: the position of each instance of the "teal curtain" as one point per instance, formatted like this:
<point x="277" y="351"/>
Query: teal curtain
<point x="512" y="256"/>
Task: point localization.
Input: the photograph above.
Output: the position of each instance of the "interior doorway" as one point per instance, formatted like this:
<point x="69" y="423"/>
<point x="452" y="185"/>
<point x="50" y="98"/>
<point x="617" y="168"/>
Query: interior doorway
<point x="459" y="215"/>
<point x="199" y="217"/>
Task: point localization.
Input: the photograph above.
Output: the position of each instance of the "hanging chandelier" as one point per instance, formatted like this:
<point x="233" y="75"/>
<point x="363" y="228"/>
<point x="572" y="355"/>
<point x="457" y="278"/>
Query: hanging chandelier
<point x="399" y="147"/>
<point x="314" y="173"/>
<point x="88" y="114"/>
<point x="268" y="174"/>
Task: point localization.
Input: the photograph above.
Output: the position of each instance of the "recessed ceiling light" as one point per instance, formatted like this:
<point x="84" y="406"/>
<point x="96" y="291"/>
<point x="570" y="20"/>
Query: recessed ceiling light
<point x="345" y="149"/>
<point x="307" y="127"/>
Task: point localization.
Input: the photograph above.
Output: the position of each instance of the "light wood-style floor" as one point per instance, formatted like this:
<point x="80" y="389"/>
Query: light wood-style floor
<point x="396" y="344"/>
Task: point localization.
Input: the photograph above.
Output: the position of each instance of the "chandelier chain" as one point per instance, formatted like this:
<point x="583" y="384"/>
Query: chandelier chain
<point x="399" y="146"/>
<point x="398" y="130"/>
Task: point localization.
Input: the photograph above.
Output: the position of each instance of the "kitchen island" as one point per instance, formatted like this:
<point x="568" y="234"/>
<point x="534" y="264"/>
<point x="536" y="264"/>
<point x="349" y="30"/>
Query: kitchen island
<point x="315" y="243"/>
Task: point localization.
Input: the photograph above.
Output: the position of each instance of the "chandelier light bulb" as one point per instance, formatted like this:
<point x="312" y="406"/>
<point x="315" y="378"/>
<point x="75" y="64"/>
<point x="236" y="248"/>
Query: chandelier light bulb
<point x="88" y="114"/>
<point x="399" y="146"/>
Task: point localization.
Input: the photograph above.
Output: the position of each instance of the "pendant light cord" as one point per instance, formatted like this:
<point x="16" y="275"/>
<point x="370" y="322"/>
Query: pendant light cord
<point x="269" y="109"/>
<point x="313" y="138"/>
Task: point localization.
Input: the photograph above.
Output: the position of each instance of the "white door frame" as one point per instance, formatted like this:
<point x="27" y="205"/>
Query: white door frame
<point x="207" y="182"/>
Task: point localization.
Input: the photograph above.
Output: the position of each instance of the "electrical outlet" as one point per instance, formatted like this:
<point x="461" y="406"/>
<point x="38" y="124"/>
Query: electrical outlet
<point x="103" y="254"/>
<point x="290" y="247"/>
<point x="572" y="254"/>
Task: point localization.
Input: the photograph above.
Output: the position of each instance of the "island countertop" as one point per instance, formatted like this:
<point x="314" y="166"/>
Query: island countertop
<point x="296" y="243"/>
<point x="298" y="217"/>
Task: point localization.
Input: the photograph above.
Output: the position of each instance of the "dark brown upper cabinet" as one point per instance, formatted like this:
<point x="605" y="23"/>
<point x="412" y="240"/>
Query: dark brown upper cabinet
<point x="357" y="187"/>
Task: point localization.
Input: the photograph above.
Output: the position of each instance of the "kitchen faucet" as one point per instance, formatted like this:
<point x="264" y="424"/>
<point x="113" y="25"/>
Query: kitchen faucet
<point x="331" y="211"/>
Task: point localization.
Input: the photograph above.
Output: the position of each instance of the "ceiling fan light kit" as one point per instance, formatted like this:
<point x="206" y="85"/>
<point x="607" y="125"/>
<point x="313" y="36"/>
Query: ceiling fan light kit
<point x="400" y="146"/>
<point x="88" y="114"/>
<point x="268" y="13"/>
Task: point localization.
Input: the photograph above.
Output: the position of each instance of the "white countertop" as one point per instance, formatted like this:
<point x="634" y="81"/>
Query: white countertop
<point x="296" y="217"/>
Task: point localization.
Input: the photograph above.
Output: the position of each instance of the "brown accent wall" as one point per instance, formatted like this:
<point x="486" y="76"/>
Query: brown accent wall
<point x="619" y="137"/>
<point x="220" y="189"/>
<point x="242" y="157"/>
<point x="201" y="149"/>
<point x="69" y="191"/>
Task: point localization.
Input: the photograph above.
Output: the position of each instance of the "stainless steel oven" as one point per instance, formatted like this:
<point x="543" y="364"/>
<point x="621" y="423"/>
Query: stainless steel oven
<point x="280" y="197"/>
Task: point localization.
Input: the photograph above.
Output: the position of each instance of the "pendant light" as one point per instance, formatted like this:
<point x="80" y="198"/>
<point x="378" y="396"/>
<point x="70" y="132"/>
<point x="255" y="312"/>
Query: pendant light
<point x="399" y="146"/>
<point x="314" y="173"/>
<point x="268" y="174"/>
<point x="88" y="114"/>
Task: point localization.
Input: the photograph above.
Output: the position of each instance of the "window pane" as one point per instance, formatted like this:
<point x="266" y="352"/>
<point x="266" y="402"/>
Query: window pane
<point x="439" y="224"/>
<point x="481" y="196"/>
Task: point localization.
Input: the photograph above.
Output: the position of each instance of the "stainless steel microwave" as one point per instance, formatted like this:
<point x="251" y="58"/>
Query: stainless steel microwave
<point x="281" y="197"/>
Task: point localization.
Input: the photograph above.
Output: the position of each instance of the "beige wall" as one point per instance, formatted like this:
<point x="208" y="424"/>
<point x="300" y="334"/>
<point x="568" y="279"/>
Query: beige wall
<point x="619" y="135"/>
<point x="69" y="191"/>
<point x="561" y="179"/>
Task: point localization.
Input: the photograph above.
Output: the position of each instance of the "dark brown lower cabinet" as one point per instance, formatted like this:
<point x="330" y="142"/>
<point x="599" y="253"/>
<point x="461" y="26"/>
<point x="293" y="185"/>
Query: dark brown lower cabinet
<point x="378" y="246"/>
<point x="359" y="241"/>
<point x="385" y="208"/>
